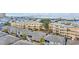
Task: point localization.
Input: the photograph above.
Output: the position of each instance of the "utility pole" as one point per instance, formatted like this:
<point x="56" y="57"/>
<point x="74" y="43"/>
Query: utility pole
<point x="66" y="37"/>
<point x="65" y="40"/>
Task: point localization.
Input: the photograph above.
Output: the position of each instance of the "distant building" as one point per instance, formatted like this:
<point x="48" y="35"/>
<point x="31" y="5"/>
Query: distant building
<point x="2" y="15"/>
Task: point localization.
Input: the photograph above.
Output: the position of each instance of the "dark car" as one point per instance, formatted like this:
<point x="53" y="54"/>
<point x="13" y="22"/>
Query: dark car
<point x="47" y="41"/>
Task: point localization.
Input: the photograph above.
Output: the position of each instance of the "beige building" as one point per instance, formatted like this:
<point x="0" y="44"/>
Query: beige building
<point x="73" y="33"/>
<point x="34" y="25"/>
<point x="60" y="29"/>
<point x="13" y="23"/>
<point x="65" y="30"/>
<point x="57" y="28"/>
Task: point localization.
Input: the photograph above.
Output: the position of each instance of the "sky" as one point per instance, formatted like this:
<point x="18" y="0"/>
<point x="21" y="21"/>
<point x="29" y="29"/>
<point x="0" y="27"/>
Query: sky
<point x="55" y="15"/>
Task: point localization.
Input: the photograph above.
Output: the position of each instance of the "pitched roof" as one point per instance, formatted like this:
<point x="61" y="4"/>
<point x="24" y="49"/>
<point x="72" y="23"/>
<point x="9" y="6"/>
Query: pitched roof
<point x="8" y="39"/>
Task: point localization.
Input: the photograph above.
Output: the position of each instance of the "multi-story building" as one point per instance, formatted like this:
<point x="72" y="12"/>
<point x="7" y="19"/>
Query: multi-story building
<point x="65" y="30"/>
<point x="34" y="25"/>
<point x="18" y="24"/>
<point x="13" y="23"/>
<point x="60" y="29"/>
<point x="73" y="33"/>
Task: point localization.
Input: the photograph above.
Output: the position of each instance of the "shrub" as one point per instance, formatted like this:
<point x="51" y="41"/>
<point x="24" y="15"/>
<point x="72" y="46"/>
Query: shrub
<point x="5" y="30"/>
<point x="42" y="40"/>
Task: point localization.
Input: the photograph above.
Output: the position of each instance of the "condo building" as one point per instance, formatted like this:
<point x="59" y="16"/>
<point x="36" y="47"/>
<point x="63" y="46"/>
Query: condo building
<point x="65" y="30"/>
<point x="34" y="25"/>
<point x="73" y="33"/>
<point x="59" y="29"/>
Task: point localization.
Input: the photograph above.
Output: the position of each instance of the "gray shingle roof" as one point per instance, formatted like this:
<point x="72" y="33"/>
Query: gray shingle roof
<point x="22" y="42"/>
<point x="2" y="34"/>
<point x="8" y="39"/>
<point x="55" y="39"/>
<point x="73" y="42"/>
<point x="37" y="35"/>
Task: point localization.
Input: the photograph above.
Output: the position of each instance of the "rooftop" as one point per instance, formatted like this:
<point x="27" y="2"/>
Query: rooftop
<point x="2" y="34"/>
<point x="8" y="39"/>
<point x="55" y="38"/>
<point x="22" y="42"/>
<point x="74" y="29"/>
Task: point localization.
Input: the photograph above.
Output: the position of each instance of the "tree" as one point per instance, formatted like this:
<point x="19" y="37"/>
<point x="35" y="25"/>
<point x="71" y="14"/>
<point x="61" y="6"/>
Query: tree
<point x="42" y="40"/>
<point x="5" y="30"/>
<point x="41" y="28"/>
<point x="23" y="36"/>
<point x="7" y="24"/>
<point x="46" y="23"/>
<point x="13" y="33"/>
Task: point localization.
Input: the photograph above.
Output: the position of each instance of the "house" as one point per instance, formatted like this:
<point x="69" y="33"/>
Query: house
<point x="8" y="39"/>
<point x="54" y="39"/>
